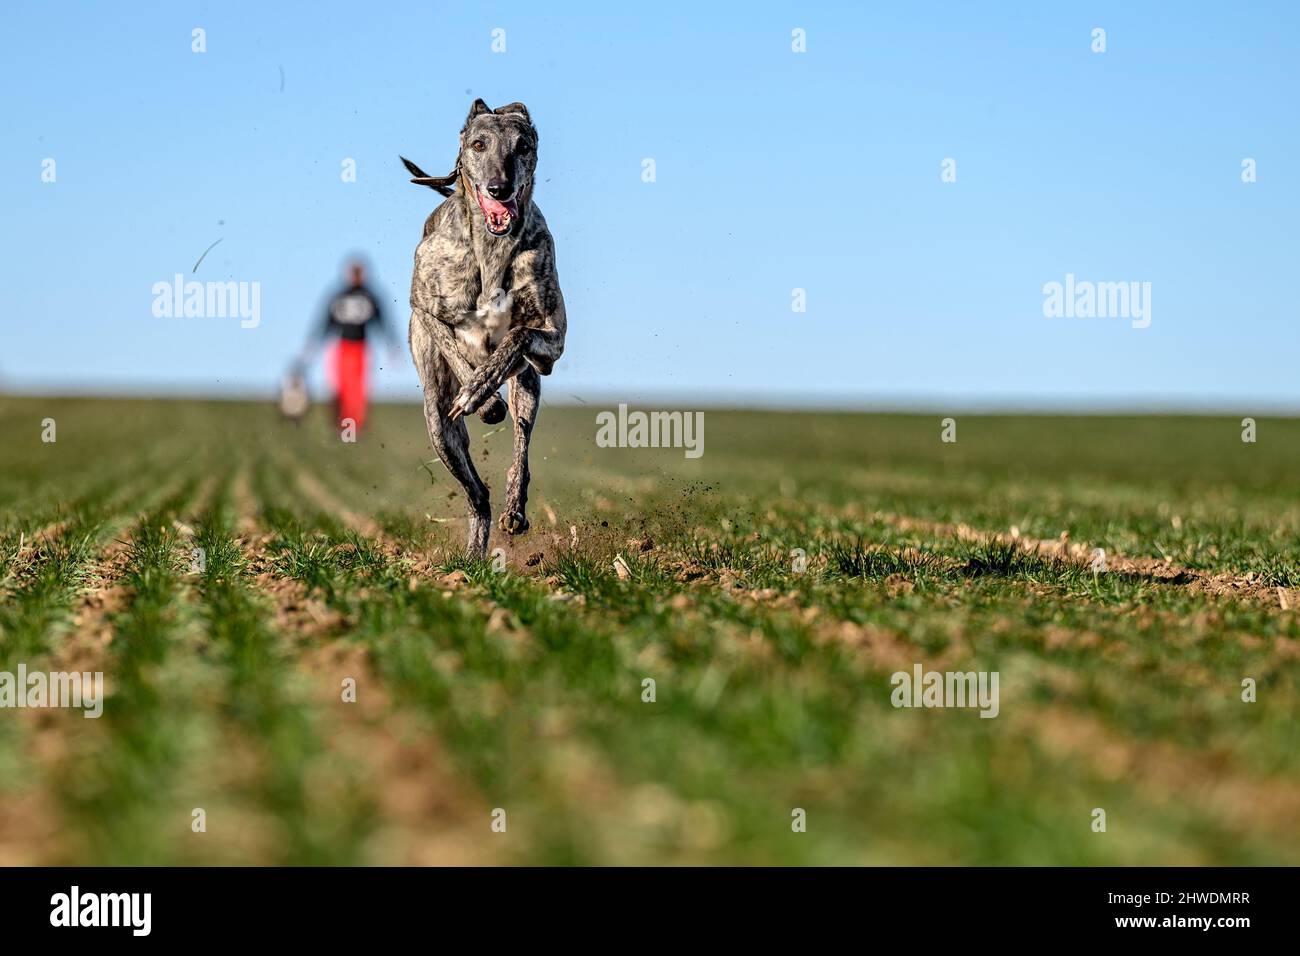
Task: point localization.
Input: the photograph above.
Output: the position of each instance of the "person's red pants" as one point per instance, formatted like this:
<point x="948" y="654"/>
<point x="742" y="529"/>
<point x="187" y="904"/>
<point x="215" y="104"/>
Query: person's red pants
<point x="350" y="381"/>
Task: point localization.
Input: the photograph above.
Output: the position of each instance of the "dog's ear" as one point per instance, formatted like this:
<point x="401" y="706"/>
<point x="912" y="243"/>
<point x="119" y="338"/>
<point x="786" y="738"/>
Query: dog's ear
<point x="477" y="108"/>
<point x="515" y="108"/>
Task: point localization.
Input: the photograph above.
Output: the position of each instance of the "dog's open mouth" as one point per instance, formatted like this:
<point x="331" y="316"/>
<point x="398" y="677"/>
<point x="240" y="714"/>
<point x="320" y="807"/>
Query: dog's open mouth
<point x="498" y="216"/>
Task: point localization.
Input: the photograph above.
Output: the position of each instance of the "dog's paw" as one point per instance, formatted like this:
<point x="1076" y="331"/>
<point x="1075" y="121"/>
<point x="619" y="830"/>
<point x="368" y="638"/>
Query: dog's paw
<point x="462" y="404"/>
<point x="470" y="399"/>
<point x="513" y="522"/>
<point x="493" y="411"/>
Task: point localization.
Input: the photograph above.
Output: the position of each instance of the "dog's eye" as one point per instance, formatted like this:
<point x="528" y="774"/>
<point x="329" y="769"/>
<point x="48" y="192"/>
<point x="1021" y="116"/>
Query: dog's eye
<point x="524" y="146"/>
<point x="478" y="145"/>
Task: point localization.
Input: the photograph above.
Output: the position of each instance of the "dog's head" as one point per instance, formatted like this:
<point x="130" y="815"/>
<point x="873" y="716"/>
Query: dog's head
<point x="498" y="154"/>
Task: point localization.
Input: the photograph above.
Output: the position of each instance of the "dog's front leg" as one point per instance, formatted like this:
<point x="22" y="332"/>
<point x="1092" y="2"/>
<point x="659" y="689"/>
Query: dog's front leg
<point x="494" y="409"/>
<point x="539" y="348"/>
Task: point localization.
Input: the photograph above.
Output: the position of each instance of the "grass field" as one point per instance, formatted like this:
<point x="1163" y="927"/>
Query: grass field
<point x="522" y="689"/>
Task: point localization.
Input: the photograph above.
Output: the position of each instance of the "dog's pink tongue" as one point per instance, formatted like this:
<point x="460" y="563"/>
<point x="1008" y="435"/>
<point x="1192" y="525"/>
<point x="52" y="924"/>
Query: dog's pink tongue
<point x="491" y="206"/>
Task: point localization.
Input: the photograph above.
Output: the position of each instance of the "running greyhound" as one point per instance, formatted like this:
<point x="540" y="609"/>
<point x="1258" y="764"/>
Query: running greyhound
<point x="486" y="306"/>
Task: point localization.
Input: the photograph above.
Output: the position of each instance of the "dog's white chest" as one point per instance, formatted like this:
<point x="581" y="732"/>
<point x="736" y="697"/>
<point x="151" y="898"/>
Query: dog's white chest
<point x="481" y="331"/>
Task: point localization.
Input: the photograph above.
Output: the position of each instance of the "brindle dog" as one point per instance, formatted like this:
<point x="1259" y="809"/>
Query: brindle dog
<point x="486" y="305"/>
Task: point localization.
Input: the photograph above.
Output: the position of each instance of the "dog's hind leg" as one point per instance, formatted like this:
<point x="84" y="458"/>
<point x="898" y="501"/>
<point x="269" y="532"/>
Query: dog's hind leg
<point x="451" y="442"/>
<point x="450" y="439"/>
<point x="525" y="396"/>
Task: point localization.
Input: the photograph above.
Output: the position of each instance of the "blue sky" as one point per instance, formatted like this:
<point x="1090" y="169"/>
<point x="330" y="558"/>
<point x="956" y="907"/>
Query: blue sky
<point x="775" y="170"/>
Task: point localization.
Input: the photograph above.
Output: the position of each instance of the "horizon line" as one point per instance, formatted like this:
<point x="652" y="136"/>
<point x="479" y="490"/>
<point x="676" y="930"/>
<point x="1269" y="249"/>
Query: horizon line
<point x="864" y="403"/>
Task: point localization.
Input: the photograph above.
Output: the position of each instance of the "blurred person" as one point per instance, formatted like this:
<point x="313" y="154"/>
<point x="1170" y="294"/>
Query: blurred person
<point x="352" y="312"/>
